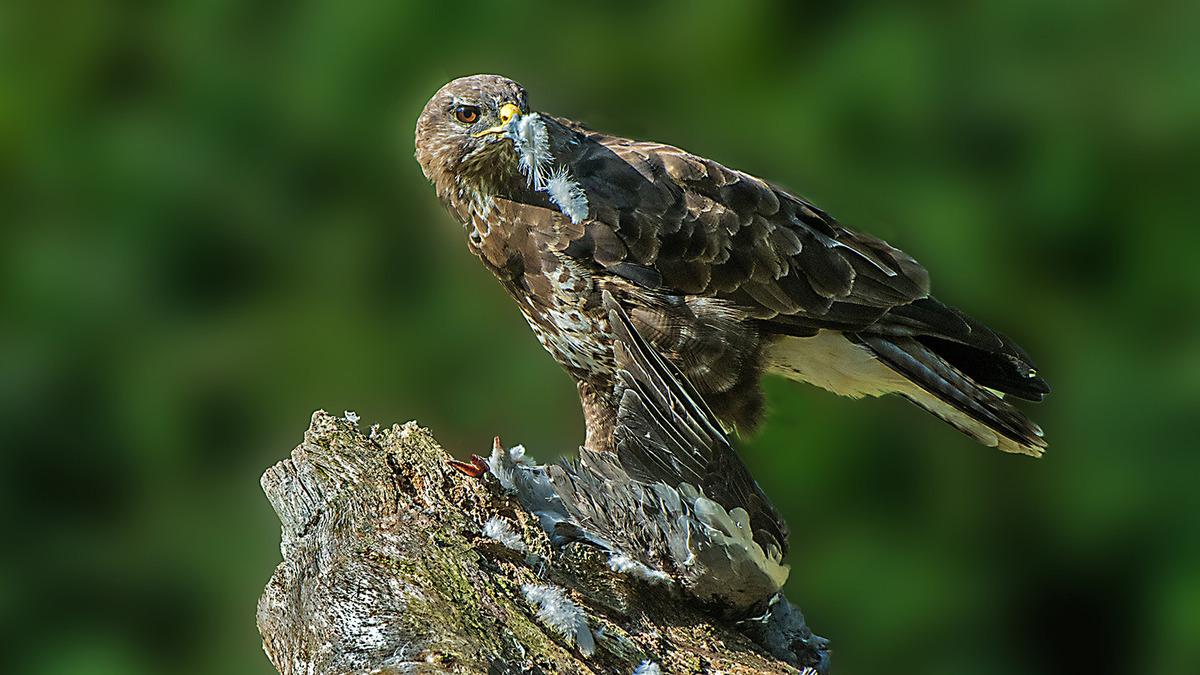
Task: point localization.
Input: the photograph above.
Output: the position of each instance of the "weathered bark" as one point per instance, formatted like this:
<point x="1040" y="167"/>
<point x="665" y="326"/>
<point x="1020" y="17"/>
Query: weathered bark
<point x="386" y="570"/>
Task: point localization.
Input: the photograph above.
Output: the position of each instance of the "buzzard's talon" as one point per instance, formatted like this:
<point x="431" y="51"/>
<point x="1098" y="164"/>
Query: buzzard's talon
<point x="475" y="468"/>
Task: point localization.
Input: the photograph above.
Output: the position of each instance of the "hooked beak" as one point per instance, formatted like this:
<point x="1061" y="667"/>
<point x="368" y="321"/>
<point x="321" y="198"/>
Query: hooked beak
<point x="508" y="113"/>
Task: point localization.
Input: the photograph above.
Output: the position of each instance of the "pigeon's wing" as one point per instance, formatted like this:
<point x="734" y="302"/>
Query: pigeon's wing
<point x="665" y="433"/>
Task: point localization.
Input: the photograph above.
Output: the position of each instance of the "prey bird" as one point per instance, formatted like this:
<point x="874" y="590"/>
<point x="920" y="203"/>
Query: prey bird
<point x="725" y="275"/>
<point x="670" y="501"/>
<point x="672" y="495"/>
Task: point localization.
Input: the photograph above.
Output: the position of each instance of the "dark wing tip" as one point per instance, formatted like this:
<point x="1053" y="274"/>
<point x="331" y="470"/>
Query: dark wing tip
<point x="964" y="403"/>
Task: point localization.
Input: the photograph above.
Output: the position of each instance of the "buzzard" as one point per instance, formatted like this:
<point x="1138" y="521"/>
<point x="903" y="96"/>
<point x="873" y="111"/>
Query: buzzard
<point x="724" y="274"/>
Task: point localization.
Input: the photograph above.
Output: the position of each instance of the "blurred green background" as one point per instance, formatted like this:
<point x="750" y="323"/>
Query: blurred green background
<point x="213" y="225"/>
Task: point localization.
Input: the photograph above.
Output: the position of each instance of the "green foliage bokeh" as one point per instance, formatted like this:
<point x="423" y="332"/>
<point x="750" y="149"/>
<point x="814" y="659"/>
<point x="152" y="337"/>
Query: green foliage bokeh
<point x="213" y="225"/>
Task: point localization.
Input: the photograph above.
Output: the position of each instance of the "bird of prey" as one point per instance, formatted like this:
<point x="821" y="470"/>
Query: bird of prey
<point x="724" y="274"/>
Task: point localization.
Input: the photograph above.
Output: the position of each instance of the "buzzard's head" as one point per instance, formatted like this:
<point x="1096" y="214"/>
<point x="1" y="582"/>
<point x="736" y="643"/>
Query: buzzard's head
<point x="460" y="143"/>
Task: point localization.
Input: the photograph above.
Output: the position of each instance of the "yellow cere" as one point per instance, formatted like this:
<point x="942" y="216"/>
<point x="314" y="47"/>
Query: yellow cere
<point x="507" y="112"/>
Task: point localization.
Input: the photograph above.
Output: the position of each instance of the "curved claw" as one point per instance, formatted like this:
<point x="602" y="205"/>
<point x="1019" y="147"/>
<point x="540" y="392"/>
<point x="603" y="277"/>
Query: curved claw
<point x="477" y="466"/>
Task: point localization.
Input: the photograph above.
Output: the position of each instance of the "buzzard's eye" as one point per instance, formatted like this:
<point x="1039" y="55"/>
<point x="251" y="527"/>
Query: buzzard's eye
<point x="467" y="114"/>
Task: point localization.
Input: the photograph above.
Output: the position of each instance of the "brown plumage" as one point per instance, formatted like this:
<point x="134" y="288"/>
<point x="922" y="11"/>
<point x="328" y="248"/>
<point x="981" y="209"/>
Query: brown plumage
<point x="727" y="276"/>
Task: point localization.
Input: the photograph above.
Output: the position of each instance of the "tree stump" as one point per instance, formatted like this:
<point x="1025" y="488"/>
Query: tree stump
<point x="386" y="569"/>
